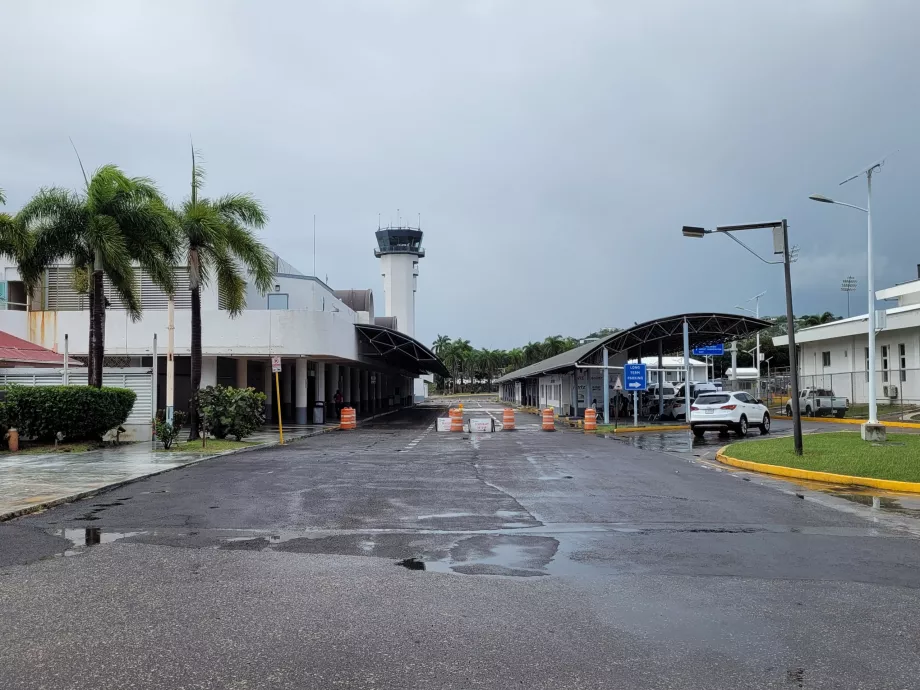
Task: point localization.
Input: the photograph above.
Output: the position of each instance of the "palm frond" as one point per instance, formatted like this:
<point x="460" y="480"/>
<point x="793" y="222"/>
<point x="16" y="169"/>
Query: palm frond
<point x="197" y="173"/>
<point x="243" y="208"/>
<point x="251" y="254"/>
<point x="231" y="284"/>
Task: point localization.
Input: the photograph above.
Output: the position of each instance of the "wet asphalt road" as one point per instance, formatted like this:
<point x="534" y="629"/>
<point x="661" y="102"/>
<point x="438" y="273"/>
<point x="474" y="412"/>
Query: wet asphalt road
<point x="551" y="561"/>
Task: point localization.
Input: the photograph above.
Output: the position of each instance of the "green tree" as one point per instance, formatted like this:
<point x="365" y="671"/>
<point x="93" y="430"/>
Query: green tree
<point x="15" y="242"/>
<point x="515" y="359"/>
<point x="533" y="352"/>
<point x="554" y="345"/>
<point x="218" y="240"/>
<point x="440" y="344"/>
<point x="117" y="222"/>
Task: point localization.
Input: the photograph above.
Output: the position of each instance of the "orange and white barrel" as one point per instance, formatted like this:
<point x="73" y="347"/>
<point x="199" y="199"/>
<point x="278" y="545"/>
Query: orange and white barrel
<point x="549" y="423"/>
<point x="590" y="419"/>
<point x="508" y="419"/>
<point x="456" y="419"/>
<point x="348" y="420"/>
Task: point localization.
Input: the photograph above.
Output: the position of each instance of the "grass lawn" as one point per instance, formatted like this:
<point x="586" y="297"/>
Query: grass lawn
<point x="214" y="445"/>
<point x="35" y="448"/>
<point x="842" y="453"/>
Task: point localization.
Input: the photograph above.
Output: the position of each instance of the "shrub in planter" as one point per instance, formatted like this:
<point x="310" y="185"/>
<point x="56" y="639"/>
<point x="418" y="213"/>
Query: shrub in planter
<point x="78" y="412"/>
<point x="236" y="412"/>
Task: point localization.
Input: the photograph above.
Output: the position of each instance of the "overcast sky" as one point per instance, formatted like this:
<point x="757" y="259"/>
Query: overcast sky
<point x="553" y="149"/>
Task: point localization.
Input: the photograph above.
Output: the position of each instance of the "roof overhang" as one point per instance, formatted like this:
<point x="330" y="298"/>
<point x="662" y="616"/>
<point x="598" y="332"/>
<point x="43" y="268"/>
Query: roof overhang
<point x="398" y="350"/>
<point x="705" y="329"/>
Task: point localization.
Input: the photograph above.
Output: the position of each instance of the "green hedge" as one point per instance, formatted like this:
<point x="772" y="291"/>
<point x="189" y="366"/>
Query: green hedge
<point x="79" y="412"/>
<point x="237" y="412"/>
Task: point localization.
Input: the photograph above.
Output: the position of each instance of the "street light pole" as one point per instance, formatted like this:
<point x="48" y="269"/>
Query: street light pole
<point x="790" y="329"/>
<point x="876" y="432"/>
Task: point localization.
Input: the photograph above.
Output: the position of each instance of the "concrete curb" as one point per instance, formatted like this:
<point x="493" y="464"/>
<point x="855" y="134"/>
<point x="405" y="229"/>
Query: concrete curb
<point x="646" y="429"/>
<point x="844" y="420"/>
<point x="829" y="477"/>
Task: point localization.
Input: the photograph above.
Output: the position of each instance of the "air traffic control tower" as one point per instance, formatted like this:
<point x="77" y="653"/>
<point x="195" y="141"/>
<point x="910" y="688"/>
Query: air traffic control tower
<point x="399" y="250"/>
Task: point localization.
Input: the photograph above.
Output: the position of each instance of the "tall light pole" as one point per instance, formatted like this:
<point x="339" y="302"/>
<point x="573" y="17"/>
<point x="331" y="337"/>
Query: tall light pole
<point x="780" y="246"/>
<point x="872" y="430"/>
<point x="848" y="285"/>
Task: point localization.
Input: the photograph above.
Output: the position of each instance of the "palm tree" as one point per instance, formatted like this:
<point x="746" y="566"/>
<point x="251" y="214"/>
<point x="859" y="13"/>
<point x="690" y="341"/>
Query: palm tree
<point x="118" y="221"/>
<point x="533" y="352"/>
<point x="553" y="345"/>
<point x="218" y="241"/>
<point x="515" y="358"/>
<point x="440" y="344"/>
<point x="14" y="240"/>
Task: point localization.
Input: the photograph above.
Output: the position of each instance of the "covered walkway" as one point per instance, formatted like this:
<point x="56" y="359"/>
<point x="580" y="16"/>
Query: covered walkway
<point x="566" y="382"/>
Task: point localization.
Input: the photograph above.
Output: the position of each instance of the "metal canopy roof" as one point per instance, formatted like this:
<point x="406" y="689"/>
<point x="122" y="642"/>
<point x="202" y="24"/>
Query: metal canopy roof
<point x="398" y="350"/>
<point x="705" y="329"/>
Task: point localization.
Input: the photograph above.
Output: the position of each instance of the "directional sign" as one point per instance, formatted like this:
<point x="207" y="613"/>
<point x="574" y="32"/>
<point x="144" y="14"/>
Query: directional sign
<point x="635" y="377"/>
<point x="709" y="350"/>
<point x="618" y="386"/>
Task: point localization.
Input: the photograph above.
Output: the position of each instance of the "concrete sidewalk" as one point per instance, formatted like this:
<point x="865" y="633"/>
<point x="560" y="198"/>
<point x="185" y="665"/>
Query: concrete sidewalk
<point x="30" y="482"/>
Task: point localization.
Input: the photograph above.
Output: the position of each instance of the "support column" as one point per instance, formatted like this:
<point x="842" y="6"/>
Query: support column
<point x="320" y="384"/>
<point x="335" y="387"/>
<point x="365" y="400"/>
<point x="346" y="386"/>
<point x="356" y="388"/>
<point x="208" y="372"/>
<point x="286" y="376"/>
<point x="267" y="388"/>
<point x="242" y="372"/>
<point x="300" y="391"/>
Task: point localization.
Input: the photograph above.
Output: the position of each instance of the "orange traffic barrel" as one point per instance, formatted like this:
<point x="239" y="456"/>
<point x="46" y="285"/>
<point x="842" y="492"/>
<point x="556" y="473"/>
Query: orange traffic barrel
<point x="508" y="419"/>
<point x="456" y="419"/>
<point x="590" y="419"/>
<point x="348" y="420"/>
<point x="549" y="424"/>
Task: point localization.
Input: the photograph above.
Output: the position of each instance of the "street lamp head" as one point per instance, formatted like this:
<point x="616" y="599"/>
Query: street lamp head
<point x="690" y="231"/>
<point x="823" y="199"/>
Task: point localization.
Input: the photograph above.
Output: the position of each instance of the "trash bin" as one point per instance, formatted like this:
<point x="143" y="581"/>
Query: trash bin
<point x="319" y="412"/>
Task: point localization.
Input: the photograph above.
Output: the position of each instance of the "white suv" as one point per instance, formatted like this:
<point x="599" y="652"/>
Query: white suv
<point x="727" y="410"/>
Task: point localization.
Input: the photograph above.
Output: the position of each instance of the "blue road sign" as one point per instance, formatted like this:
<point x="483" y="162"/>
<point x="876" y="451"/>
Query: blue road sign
<point x="634" y="377"/>
<point x="710" y="350"/>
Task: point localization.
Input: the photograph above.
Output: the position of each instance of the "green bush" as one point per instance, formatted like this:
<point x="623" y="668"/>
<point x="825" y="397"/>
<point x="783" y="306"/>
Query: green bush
<point x="236" y="412"/>
<point x="168" y="433"/>
<point x="78" y="412"/>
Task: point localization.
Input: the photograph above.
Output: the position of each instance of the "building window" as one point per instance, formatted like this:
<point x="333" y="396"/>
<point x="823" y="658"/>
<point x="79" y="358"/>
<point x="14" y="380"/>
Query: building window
<point x="884" y="364"/>
<point x="825" y="359"/>
<point x="277" y="300"/>
<point x="902" y="356"/>
<point x="867" y="365"/>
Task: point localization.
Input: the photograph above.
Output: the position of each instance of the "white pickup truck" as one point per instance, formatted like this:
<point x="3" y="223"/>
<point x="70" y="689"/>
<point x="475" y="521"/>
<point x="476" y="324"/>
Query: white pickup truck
<point x="820" y="402"/>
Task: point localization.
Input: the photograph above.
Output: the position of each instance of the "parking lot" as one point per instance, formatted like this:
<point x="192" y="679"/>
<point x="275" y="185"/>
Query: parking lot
<point x="396" y="556"/>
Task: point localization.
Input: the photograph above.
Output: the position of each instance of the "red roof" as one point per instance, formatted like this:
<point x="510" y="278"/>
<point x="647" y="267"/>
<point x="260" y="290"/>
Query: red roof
<point x="19" y="351"/>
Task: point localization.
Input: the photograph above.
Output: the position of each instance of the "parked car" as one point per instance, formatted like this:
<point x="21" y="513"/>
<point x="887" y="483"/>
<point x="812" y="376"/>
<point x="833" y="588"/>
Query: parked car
<point x="678" y="408"/>
<point x="667" y="391"/>
<point x="820" y="402"/>
<point x="726" y="411"/>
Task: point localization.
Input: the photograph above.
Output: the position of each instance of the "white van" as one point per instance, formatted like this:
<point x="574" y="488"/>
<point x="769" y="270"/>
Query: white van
<point x="678" y="408"/>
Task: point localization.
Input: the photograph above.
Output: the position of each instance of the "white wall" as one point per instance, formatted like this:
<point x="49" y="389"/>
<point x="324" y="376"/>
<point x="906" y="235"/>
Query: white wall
<point x="304" y="292"/>
<point x="254" y="332"/>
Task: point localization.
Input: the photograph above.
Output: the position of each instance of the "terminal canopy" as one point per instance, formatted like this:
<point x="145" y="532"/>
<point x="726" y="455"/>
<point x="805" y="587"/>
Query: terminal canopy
<point x="643" y="339"/>
<point x="398" y="350"/>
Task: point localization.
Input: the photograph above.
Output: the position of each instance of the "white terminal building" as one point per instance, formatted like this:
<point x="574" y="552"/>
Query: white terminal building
<point x="328" y="340"/>
<point x="835" y="355"/>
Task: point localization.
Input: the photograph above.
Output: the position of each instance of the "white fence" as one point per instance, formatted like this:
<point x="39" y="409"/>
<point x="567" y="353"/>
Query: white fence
<point x="138" y="379"/>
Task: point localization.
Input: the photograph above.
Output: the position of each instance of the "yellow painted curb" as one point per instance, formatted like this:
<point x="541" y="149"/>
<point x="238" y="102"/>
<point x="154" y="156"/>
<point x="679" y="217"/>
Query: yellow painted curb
<point x="639" y="429"/>
<point x="844" y="420"/>
<point x="830" y="477"/>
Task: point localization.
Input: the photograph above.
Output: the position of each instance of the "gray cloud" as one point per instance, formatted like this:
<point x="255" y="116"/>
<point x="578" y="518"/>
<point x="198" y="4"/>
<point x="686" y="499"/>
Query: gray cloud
<point x="553" y="149"/>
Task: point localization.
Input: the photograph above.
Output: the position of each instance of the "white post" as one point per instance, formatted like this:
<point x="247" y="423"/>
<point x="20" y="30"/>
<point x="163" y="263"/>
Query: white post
<point x="319" y="385"/>
<point x="300" y="390"/>
<point x="170" y="358"/>
<point x="67" y="359"/>
<point x="873" y="402"/>
<point x="687" y="399"/>
<point x="757" y="315"/>
<point x="153" y="382"/>
<point x="734" y="365"/>
<point x="635" y="408"/>
<point x="607" y="389"/>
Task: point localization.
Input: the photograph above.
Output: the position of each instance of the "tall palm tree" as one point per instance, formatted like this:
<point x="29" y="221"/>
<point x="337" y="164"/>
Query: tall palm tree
<point x="516" y="358"/>
<point x="14" y="240"/>
<point x="217" y="238"/>
<point x="533" y="352"/>
<point x="553" y="345"/>
<point x="440" y="344"/>
<point x="116" y="222"/>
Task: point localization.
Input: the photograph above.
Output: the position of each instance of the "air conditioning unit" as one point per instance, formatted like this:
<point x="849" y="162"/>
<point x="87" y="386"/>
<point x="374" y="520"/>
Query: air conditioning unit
<point x="891" y="392"/>
<point x="885" y="392"/>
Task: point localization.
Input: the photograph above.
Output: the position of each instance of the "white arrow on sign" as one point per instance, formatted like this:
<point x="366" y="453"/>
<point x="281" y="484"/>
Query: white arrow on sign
<point x="633" y="384"/>
<point x="618" y="386"/>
